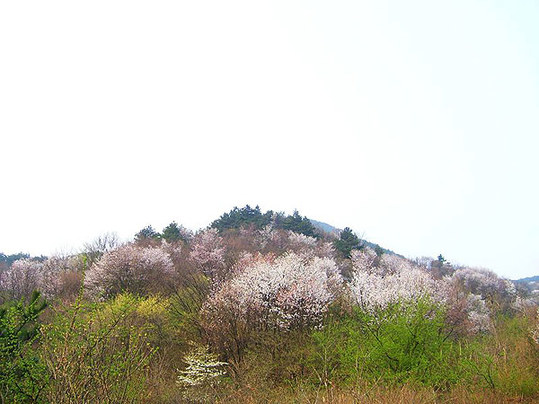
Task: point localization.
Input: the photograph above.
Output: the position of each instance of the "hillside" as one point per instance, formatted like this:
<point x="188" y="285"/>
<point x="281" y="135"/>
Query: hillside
<point x="261" y="307"/>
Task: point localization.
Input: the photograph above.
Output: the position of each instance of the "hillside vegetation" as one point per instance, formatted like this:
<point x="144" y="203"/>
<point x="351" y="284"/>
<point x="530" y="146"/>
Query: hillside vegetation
<point x="261" y="307"/>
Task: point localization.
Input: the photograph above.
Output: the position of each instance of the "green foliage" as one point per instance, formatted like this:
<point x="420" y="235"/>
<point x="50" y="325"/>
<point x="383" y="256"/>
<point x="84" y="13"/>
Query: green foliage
<point x="514" y="356"/>
<point x="247" y="216"/>
<point x="298" y="224"/>
<point x="147" y="233"/>
<point x="172" y="233"/>
<point x="10" y="259"/>
<point x="403" y="343"/>
<point x="347" y="242"/>
<point x="242" y="217"/>
<point x="22" y="375"/>
<point x="441" y="259"/>
<point x="186" y="302"/>
<point x="97" y="352"/>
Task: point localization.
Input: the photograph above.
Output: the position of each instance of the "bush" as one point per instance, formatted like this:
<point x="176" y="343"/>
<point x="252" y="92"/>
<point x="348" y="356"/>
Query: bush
<point x="22" y="376"/>
<point x="97" y="352"/>
<point x="400" y="343"/>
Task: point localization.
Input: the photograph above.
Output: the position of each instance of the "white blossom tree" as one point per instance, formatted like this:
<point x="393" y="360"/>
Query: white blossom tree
<point x="287" y="292"/>
<point x="375" y="288"/>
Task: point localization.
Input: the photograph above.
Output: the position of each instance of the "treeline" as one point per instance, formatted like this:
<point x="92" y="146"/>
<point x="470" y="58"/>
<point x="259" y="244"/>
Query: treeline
<point x="260" y="307"/>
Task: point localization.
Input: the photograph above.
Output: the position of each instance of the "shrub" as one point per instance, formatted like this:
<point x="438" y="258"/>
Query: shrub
<point x="202" y="373"/>
<point x="22" y="375"/>
<point x="97" y="352"/>
<point x="398" y="343"/>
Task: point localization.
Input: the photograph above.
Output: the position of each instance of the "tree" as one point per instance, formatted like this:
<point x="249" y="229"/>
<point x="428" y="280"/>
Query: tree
<point x="130" y="268"/>
<point x="173" y="233"/>
<point x="394" y="280"/>
<point x="208" y="253"/>
<point x="8" y="260"/>
<point x="147" y="233"/>
<point x="299" y="224"/>
<point x="347" y="242"/>
<point x="98" y="353"/>
<point x="243" y="217"/>
<point x="270" y="294"/>
<point x="95" y="249"/>
<point x="19" y="281"/>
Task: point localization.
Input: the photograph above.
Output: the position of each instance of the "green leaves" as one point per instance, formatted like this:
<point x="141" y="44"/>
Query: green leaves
<point x="22" y="376"/>
<point x="402" y="343"/>
<point x="347" y="242"/>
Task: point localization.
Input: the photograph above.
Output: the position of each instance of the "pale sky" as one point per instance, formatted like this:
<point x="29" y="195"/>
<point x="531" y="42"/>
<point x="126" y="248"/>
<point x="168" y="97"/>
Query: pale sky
<point x="415" y="123"/>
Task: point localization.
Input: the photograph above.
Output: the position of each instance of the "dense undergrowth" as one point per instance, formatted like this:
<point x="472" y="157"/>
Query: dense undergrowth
<point x="254" y="310"/>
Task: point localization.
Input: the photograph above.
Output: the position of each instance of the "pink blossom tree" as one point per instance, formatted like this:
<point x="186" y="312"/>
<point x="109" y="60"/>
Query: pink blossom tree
<point x="130" y="268"/>
<point x="208" y="253"/>
<point x="24" y="276"/>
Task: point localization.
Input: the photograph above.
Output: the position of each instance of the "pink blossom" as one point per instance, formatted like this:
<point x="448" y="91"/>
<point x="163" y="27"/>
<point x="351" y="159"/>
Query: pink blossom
<point x="208" y="252"/>
<point x="129" y="268"/>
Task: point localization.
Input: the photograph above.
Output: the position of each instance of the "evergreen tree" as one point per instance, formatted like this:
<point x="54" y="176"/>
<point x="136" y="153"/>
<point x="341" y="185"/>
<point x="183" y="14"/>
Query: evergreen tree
<point x="147" y="233"/>
<point x="246" y="216"/>
<point x="172" y="233"/>
<point x="299" y="224"/>
<point x="347" y="242"/>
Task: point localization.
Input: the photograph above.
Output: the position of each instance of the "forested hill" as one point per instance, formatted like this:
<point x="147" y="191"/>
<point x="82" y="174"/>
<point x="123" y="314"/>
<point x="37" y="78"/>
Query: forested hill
<point x="261" y="307"/>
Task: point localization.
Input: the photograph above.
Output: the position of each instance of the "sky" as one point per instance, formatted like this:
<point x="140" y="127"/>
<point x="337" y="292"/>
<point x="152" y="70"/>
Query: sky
<point x="414" y="123"/>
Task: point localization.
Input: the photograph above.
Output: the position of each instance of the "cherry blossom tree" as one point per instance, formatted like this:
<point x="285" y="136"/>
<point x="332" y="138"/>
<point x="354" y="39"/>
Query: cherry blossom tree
<point x="208" y="253"/>
<point x="478" y="314"/>
<point x="288" y="292"/>
<point x="61" y="276"/>
<point x="493" y="289"/>
<point x="130" y="268"/>
<point x="24" y="276"/>
<point x="283" y="292"/>
<point x="377" y="288"/>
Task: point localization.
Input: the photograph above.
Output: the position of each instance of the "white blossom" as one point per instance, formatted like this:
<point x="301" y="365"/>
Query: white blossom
<point x="373" y="291"/>
<point x="478" y="314"/>
<point x="286" y="292"/>
<point x="535" y="329"/>
<point x="203" y="367"/>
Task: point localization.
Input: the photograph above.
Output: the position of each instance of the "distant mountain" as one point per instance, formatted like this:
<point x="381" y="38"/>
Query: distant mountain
<point x="325" y="227"/>
<point x="334" y="230"/>
<point x="528" y="279"/>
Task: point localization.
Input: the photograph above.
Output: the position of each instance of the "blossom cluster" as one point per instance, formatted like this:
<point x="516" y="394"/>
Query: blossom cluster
<point x="27" y="275"/>
<point x="484" y="282"/>
<point x="129" y="268"/>
<point x="208" y="252"/>
<point x="394" y="280"/>
<point x="285" y="292"/>
<point x="202" y="367"/>
<point x="535" y="329"/>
